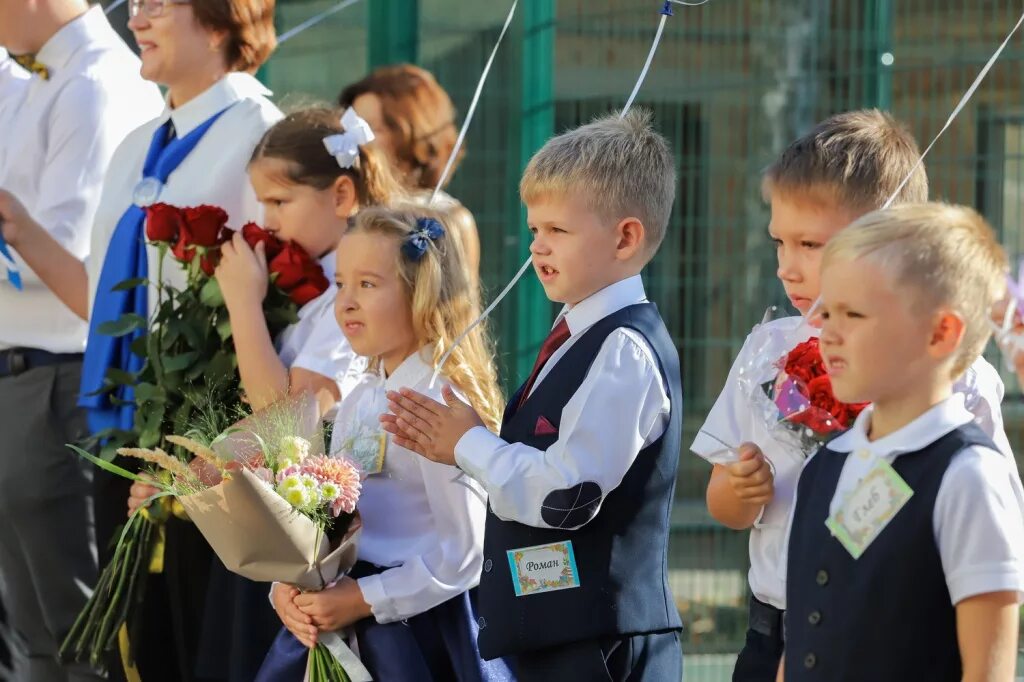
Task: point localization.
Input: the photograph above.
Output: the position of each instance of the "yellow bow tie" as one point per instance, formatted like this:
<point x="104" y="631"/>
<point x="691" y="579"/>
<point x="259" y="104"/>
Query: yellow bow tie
<point x="30" y="63"/>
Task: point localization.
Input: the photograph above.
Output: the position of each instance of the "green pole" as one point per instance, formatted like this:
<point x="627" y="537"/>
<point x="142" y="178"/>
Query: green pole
<point x="394" y="32"/>
<point x="878" y="54"/>
<point x="533" y="126"/>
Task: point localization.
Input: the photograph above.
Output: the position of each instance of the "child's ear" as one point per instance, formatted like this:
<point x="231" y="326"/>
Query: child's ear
<point x="630" y="236"/>
<point x="947" y="333"/>
<point x="346" y="200"/>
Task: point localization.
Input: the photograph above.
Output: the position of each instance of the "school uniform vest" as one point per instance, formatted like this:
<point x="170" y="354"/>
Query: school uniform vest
<point x="622" y="553"/>
<point x="885" y="616"/>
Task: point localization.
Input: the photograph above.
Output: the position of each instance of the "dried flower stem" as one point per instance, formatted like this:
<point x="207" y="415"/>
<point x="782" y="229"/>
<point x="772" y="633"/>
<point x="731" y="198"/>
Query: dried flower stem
<point x="158" y="457"/>
<point x="199" y="450"/>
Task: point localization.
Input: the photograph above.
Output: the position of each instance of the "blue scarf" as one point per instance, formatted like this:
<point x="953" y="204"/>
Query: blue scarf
<point x="127" y="259"/>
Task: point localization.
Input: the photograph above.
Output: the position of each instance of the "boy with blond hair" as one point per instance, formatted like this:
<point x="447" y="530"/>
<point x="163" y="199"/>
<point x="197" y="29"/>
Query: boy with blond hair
<point x="581" y="478"/>
<point x="906" y="545"/>
<point x="845" y="167"/>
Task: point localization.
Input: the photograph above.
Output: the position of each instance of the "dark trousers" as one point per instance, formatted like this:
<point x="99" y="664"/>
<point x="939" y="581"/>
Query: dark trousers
<point x="759" y="659"/>
<point x="641" y="658"/>
<point x="47" y="545"/>
<point x="5" y="653"/>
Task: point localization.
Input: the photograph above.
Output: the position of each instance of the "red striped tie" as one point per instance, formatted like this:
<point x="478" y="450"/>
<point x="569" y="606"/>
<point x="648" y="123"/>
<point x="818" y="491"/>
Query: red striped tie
<point x="558" y="336"/>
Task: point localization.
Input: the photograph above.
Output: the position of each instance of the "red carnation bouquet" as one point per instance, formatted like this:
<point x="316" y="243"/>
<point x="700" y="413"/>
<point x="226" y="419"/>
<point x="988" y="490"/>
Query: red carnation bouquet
<point x="792" y="393"/>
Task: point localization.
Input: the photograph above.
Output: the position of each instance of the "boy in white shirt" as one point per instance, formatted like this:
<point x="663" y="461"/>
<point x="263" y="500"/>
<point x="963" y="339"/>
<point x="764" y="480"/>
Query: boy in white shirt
<point x="906" y="545"/>
<point x="846" y="166"/>
<point x="580" y="479"/>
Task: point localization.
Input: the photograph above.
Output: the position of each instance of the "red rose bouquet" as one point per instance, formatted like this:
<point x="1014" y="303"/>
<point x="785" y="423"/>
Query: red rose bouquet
<point x="188" y="380"/>
<point x="784" y="378"/>
<point x="803" y="394"/>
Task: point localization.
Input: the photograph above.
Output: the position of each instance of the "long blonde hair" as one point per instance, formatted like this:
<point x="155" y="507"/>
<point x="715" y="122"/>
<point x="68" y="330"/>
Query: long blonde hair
<point x="445" y="300"/>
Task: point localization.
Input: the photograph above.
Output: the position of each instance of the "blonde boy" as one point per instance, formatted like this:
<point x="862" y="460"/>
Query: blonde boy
<point x="906" y="546"/>
<point x="580" y="480"/>
<point x="848" y="165"/>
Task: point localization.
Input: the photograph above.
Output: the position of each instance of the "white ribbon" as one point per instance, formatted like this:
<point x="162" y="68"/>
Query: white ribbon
<point x="354" y="668"/>
<point x="345" y="146"/>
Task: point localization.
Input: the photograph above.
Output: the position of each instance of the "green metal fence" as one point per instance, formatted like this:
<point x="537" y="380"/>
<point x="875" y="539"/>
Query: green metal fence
<point x="733" y="82"/>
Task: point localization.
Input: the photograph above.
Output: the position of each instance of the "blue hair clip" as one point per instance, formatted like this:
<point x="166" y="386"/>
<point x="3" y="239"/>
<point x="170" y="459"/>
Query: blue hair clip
<point x="416" y="244"/>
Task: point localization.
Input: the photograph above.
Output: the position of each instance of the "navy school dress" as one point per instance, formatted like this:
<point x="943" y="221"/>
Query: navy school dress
<point x="438" y="645"/>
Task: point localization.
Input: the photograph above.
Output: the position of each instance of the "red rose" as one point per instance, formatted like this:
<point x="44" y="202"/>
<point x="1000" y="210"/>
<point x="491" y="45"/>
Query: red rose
<point x="163" y="222"/>
<point x="205" y="224"/>
<point x="804" y="362"/>
<point x="183" y="249"/>
<point x="307" y="291"/>
<point x="253" y="234"/>
<point x="298" y="275"/>
<point x="289" y="266"/>
<point x="209" y="261"/>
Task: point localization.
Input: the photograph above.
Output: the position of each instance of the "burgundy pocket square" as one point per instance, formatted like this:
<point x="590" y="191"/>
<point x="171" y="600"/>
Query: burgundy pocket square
<point x="544" y="427"/>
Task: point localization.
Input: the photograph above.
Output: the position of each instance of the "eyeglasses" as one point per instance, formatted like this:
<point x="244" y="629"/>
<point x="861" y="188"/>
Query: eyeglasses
<point x="152" y="8"/>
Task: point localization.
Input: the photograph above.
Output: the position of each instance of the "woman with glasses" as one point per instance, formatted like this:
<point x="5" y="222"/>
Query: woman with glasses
<point x="194" y="153"/>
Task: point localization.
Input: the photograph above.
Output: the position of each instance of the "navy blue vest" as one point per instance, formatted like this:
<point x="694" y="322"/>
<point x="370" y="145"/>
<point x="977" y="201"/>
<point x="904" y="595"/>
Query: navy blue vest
<point x="622" y="553"/>
<point x="885" y="616"/>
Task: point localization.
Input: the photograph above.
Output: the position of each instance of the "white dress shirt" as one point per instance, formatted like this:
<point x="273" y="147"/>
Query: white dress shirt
<point x="316" y="342"/>
<point x="213" y="173"/>
<point x="57" y="145"/>
<point x="733" y="421"/>
<point x="14" y="82"/>
<point x="423" y="519"/>
<point x="978" y="518"/>
<point x="621" y="407"/>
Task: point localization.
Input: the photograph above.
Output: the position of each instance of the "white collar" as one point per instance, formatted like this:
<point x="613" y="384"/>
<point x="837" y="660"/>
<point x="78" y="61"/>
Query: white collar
<point x="936" y="422"/>
<point x="413" y="370"/>
<point x="230" y="89"/>
<point x="329" y="264"/>
<point x="603" y="303"/>
<point x="90" y="27"/>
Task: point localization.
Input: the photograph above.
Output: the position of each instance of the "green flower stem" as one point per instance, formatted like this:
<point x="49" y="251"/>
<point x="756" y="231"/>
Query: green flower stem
<point x="137" y="570"/>
<point x="99" y="639"/>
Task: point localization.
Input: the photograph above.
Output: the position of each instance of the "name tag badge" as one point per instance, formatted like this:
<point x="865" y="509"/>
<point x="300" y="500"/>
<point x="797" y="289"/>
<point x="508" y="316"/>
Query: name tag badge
<point x="368" y="452"/>
<point x="543" y="568"/>
<point x="868" y="508"/>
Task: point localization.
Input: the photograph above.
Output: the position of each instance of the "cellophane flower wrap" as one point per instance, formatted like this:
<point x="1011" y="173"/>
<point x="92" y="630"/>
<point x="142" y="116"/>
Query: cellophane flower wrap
<point x="1008" y="319"/>
<point x="189" y="376"/>
<point x="791" y="392"/>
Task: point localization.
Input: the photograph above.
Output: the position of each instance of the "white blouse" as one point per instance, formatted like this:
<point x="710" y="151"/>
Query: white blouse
<point x="213" y="173"/>
<point x="422" y="519"/>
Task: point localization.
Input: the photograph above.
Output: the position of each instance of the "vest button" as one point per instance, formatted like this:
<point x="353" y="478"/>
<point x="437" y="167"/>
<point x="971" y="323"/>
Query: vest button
<point x="822" y="578"/>
<point x="814" y="618"/>
<point x="482" y="622"/>
<point x="810" y="660"/>
<point x="488" y="565"/>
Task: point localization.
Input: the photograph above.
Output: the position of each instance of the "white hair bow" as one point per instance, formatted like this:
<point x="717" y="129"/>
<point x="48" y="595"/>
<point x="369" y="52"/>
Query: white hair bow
<point x="345" y="146"/>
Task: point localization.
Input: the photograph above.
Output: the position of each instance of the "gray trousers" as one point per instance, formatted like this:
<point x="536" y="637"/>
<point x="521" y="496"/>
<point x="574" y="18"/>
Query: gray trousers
<point x="47" y="540"/>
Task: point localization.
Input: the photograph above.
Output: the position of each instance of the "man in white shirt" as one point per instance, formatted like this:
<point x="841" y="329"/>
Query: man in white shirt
<point x="82" y="97"/>
<point x="13" y="80"/>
